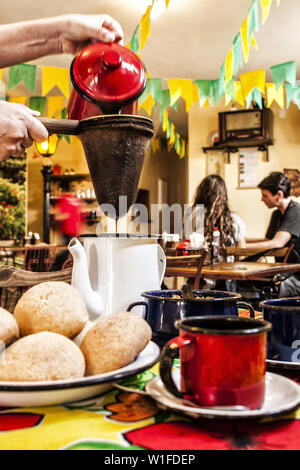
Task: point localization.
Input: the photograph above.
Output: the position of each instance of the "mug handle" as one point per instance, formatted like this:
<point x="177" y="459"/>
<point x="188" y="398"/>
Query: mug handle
<point x="170" y="352"/>
<point x="248" y="307"/>
<point x="135" y="304"/>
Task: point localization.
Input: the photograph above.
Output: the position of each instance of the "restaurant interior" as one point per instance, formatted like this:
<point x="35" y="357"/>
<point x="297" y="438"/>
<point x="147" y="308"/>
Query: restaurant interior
<point x="223" y="94"/>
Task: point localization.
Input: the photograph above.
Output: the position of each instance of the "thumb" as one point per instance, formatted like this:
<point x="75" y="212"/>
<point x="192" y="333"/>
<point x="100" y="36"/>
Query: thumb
<point x="37" y="130"/>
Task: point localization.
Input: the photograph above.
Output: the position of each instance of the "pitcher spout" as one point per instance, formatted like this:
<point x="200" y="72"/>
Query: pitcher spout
<point x="81" y="281"/>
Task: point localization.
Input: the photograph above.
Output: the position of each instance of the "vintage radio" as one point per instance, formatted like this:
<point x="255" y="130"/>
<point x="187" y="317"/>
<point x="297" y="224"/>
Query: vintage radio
<point x="246" y="126"/>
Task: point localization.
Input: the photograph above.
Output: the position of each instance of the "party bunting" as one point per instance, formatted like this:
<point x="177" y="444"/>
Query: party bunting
<point x="18" y="99"/>
<point x="252" y="22"/>
<point x="284" y="72"/>
<point x="145" y="26"/>
<point x="251" y="80"/>
<point x="229" y="66"/>
<point x="134" y="42"/>
<point x="55" y="106"/>
<point x="55" y="76"/>
<point x="275" y="95"/>
<point x="38" y="103"/>
<point x="204" y="90"/>
<point x="22" y="72"/>
<point x="265" y="6"/>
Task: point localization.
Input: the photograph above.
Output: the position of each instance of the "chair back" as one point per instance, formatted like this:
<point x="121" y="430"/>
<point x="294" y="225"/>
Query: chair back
<point x="180" y="266"/>
<point x="14" y="282"/>
<point x="39" y="258"/>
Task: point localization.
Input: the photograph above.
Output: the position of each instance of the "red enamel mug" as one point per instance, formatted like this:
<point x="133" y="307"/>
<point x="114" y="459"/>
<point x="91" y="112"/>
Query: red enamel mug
<point x="222" y="361"/>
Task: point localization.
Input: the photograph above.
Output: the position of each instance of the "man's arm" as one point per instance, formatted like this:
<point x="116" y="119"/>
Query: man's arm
<point x="280" y="239"/>
<point x="29" y="40"/>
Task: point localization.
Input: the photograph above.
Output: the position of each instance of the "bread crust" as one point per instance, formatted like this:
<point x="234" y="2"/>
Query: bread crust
<point x="114" y="342"/>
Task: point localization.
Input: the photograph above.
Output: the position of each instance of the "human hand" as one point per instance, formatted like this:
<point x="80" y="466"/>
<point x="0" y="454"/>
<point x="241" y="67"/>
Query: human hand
<point x="78" y="31"/>
<point x="18" y="129"/>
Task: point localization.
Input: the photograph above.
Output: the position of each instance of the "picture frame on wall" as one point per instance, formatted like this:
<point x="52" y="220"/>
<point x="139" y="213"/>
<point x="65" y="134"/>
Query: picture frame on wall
<point x="248" y="168"/>
<point x="215" y="164"/>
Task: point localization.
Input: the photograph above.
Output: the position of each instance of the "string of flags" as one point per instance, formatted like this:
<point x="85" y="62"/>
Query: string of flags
<point x="159" y="95"/>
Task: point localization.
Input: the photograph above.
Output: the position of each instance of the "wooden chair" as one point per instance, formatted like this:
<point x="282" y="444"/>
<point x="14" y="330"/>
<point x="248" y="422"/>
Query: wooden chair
<point x="39" y="258"/>
<point x="14" y="282"/>
<point x="182" y="263"/>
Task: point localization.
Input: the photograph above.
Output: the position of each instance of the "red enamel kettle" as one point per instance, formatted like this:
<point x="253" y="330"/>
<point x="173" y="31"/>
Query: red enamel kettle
<point x="107" y="78"/>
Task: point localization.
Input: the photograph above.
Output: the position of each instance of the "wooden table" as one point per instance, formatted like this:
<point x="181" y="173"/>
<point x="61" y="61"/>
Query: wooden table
<point x="240" y="271"/>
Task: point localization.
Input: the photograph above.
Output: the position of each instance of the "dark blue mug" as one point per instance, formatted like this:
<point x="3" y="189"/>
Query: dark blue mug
<point x="284" y="339"/>
<point x="164" y="307"/>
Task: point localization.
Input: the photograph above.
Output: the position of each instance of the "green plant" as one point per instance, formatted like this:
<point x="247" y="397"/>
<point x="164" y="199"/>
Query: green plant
<point x="12" y="210"/>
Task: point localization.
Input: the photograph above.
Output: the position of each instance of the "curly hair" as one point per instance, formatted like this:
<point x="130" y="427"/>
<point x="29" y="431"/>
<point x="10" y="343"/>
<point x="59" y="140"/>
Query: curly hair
<point x="212" y="193"/>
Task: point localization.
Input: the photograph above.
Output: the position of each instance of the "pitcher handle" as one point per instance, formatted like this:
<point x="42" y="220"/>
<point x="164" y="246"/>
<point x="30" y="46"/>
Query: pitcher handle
<point x="248" y="307"/>
<point x="162" y="263"/>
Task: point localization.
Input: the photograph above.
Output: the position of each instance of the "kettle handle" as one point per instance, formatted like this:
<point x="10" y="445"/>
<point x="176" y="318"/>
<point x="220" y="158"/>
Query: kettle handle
<point x="61" y="126"/>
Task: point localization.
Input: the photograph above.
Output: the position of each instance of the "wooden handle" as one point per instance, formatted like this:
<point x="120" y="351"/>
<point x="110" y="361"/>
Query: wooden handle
<point x="61" y="126"/>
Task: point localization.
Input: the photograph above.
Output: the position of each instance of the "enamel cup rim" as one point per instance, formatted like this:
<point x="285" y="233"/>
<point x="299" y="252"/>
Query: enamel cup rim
<point x="280" y="304"/>
<point x="156" y="295"/>
<point x="262" y="325"/>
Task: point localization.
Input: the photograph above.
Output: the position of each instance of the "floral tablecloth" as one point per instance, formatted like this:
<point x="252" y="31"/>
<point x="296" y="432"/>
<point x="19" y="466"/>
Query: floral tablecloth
<point x="121" y="420"/>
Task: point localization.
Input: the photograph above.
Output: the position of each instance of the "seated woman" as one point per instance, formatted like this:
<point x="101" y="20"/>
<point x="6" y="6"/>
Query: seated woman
<point x="211" y="201"/>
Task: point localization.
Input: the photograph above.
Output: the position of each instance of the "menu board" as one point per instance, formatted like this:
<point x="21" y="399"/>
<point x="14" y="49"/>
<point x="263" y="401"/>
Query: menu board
<point x="248" y="161"/>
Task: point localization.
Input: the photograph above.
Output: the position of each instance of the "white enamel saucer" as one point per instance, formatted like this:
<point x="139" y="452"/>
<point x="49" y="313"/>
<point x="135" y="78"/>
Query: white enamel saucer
<point x="15" y="394"/>
<point x="282" y="396"/>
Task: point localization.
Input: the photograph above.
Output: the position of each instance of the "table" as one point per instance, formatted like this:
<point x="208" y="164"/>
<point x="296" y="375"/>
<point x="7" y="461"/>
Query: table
<point x="240" y="271"/>
<point x="119" y="420"/>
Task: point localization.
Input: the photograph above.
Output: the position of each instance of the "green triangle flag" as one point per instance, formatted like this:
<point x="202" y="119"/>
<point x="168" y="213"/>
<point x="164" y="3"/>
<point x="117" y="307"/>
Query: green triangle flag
<point x="204" y="90"/>
<point x="284" y="72"/>
<point x="237" y="54"/>
<point x="217" y="90"/>
<point x="164" y="102"/>
<point x="292" y="93"/>
<point x="134" y="43"/>
<point x="222" y="74"/>
<point x="25" y="72"/>
<point x="230" y="89"/>
<point x="255" y="95"/>
<point x="252" y="19"/>
<point x="37" y="103"/>
<point x="155" y="88"/>
<point x="64" y="136"/>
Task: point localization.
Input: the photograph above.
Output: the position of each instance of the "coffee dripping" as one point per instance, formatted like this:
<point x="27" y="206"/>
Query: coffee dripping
<point x="107" y="81"/>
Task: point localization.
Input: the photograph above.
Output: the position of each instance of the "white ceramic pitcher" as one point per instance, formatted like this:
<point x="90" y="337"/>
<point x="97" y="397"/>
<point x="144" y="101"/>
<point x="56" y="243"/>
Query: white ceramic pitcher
<point x="111" y="271"/>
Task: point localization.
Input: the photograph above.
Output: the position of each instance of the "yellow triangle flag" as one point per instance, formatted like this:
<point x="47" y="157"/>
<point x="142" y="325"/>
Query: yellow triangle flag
<point x="244" y="37"/>
<point x="275" y="95"/>
<point x="239" y="97"/>
<point x="187" y="93"/>
<point x="155" y="145"/>
<point x="175" y="89"/>
<point x="0" y="74"/>
<point x="145" y="26"/>
<point x="250" y="80"/>
<point x="172" y="136"/>
<point x="18" y="99"/>
<point x="229" y="66"/>
<point x="52" y="76"/>
<point x="227" y="99"/>
<point x="196" y="96"/>
<point x="167" y="3"/>
<point x="183" y="149"/>
<point x="206" y="103"/>
<point x="55" y="105"/>
<point x="253" y="42"/>
<point x="148" y="104"/>
<point x="165" y="124"/>
<point x="265" y="6"/>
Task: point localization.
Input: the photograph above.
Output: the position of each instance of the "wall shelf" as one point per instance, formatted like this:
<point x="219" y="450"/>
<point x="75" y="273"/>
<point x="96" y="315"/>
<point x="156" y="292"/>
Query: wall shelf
<point x="233" y="147"/>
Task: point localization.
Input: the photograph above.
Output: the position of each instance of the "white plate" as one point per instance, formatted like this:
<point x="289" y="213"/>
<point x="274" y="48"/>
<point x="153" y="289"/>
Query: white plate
<point x="282" y="365"/>
<point x="282" y="396"/>
<point x="57" y="392"/>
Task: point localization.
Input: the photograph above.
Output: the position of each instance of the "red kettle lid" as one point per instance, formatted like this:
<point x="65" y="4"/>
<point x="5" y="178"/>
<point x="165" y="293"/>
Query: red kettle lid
<point x="108" y="74"/>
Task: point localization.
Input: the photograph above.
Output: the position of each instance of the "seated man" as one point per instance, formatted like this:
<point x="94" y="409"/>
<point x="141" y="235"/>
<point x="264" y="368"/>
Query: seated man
<point x="284" y="226"/>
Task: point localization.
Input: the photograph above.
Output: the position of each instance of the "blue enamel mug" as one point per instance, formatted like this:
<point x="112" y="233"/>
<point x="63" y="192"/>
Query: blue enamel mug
<point x="284" y="339"/>
<point x="162" y="308"/>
